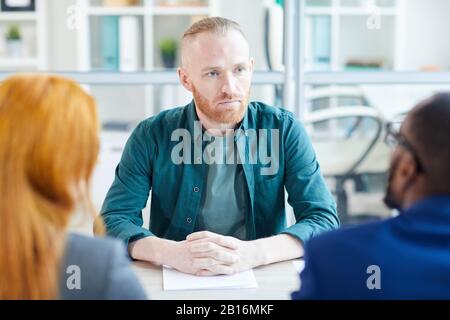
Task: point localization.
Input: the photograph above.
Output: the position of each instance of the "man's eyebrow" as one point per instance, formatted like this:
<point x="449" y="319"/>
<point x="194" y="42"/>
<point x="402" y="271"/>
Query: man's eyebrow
<point x="240" y="64"/>
<point x="209" y="68"/>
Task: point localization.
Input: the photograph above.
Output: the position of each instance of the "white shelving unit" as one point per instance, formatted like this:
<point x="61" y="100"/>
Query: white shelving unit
<point x="155" y="21"/>
<point x="148" y="11"/>
<point x="19" y="63"/>
<point x="17" y="16"/>
<point x="349" y="19"/>
<point x="35" y="22"/>
<point x="130" y="103"/>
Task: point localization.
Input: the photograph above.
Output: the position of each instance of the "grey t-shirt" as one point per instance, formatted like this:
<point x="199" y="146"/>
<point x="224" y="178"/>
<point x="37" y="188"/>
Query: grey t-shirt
<point x="224" y="203"/>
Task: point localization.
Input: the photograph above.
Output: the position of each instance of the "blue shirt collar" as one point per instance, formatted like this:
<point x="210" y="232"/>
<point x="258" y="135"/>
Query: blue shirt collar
<point x="435" y="204"/>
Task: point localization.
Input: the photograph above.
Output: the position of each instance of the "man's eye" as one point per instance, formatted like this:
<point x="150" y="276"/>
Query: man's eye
<point x="212" y="74"/>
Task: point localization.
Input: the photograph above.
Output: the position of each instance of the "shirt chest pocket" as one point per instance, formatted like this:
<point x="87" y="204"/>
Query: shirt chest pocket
<point x="268" y="185"/>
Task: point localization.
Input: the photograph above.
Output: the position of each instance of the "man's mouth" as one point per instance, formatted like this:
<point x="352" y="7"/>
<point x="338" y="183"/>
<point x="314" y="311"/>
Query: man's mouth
<point x="229" y="103"/>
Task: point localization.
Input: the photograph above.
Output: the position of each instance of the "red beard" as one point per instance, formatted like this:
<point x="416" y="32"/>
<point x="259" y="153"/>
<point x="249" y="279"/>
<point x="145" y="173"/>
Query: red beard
<point x="226" y="116"/>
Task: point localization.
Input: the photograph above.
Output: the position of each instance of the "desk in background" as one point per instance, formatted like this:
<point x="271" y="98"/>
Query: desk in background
<point x="392" y="100"/>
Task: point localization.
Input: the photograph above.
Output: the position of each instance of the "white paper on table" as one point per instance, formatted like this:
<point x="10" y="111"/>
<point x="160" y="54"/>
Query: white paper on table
<point x="299" y="265"/>
<point x="176" y="280"/>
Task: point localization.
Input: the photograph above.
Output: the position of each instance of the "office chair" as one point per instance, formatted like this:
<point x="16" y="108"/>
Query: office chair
<point x="334" y="96"/>
<point x="351" y="155"/>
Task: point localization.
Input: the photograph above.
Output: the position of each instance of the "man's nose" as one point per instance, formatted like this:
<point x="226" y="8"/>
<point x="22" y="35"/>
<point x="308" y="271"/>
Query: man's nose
<point x="229" y="85"/>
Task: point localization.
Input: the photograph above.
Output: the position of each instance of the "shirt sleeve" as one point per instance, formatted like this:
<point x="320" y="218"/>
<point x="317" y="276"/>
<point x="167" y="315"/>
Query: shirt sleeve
<point x="128" y="195"/>
<point x="313" y="204"/>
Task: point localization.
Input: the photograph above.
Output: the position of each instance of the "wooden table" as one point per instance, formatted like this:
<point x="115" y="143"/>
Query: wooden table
<point x="275" y="282"/>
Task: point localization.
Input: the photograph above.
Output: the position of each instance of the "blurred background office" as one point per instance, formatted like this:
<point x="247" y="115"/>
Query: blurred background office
<point x="344" y="67"/>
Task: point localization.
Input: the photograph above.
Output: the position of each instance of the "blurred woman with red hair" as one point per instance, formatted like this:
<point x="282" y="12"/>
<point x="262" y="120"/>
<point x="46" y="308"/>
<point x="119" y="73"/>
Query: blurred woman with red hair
<point x="48" y="149"/>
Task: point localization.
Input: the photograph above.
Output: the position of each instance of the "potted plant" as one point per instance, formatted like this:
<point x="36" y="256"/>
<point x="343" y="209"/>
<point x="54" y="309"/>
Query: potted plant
<point x="168" y="48"/>
<point x="14" y="41"/>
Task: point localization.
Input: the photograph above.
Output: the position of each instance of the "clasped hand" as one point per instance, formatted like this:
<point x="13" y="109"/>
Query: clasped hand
<point x="206" y="253"/>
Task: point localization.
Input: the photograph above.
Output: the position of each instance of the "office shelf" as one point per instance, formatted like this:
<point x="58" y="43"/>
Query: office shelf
<point x="350" y="36"/>
<point x="18" y="16"/>
<point x="153" y="21"/>
<point x="33" y="27"/>
<point x="11" y="63"/>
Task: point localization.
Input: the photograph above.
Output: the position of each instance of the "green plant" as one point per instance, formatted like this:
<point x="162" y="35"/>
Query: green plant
<point x="168" y="46"/>
<point x="13" y="33"/>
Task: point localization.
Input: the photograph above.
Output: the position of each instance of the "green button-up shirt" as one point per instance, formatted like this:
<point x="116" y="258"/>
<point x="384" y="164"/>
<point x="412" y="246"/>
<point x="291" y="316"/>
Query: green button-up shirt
<point x="177" y="188"/>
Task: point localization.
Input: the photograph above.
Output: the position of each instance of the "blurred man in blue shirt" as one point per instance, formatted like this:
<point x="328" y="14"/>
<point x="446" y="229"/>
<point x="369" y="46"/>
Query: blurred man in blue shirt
<point x="406" y="257"/>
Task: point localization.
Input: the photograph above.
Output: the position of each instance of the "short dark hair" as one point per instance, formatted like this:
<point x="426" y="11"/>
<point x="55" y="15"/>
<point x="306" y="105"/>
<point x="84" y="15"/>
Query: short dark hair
<point x="430" y="131"/>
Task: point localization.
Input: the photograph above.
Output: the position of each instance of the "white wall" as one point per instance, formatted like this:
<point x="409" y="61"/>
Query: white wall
<point x="426" y="35"/>
<point x="356" y="40"/>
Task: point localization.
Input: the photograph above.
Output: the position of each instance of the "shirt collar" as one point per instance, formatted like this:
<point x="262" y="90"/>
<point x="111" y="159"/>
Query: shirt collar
<point x="437" y="203"/>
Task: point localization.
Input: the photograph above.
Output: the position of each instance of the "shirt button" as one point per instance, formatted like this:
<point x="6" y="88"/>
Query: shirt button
<point x="188" y="220"/>
<point x="196" y="189"/>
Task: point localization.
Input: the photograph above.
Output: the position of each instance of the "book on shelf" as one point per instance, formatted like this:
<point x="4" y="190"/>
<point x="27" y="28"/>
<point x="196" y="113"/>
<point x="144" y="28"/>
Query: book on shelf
<point x="118" y="125"/>
<point x="110" y="43"/>
<point x="321" y="46"/>
<point x="120" y="3"/>
<point x="364" y="64"/>
<point x="129" y="38"/>
<point x="182" y="3"/>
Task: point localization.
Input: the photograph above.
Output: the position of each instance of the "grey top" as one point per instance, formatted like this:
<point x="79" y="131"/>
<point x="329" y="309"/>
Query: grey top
<point x="97" y="268"/>
<point x="224" y="204"/>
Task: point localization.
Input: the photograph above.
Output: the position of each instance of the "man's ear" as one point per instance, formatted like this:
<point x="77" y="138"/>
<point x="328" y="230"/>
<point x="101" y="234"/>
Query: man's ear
<point x="407" y="167"/>
<point x="184" y="79"/>
<point x="252" y="64"/>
